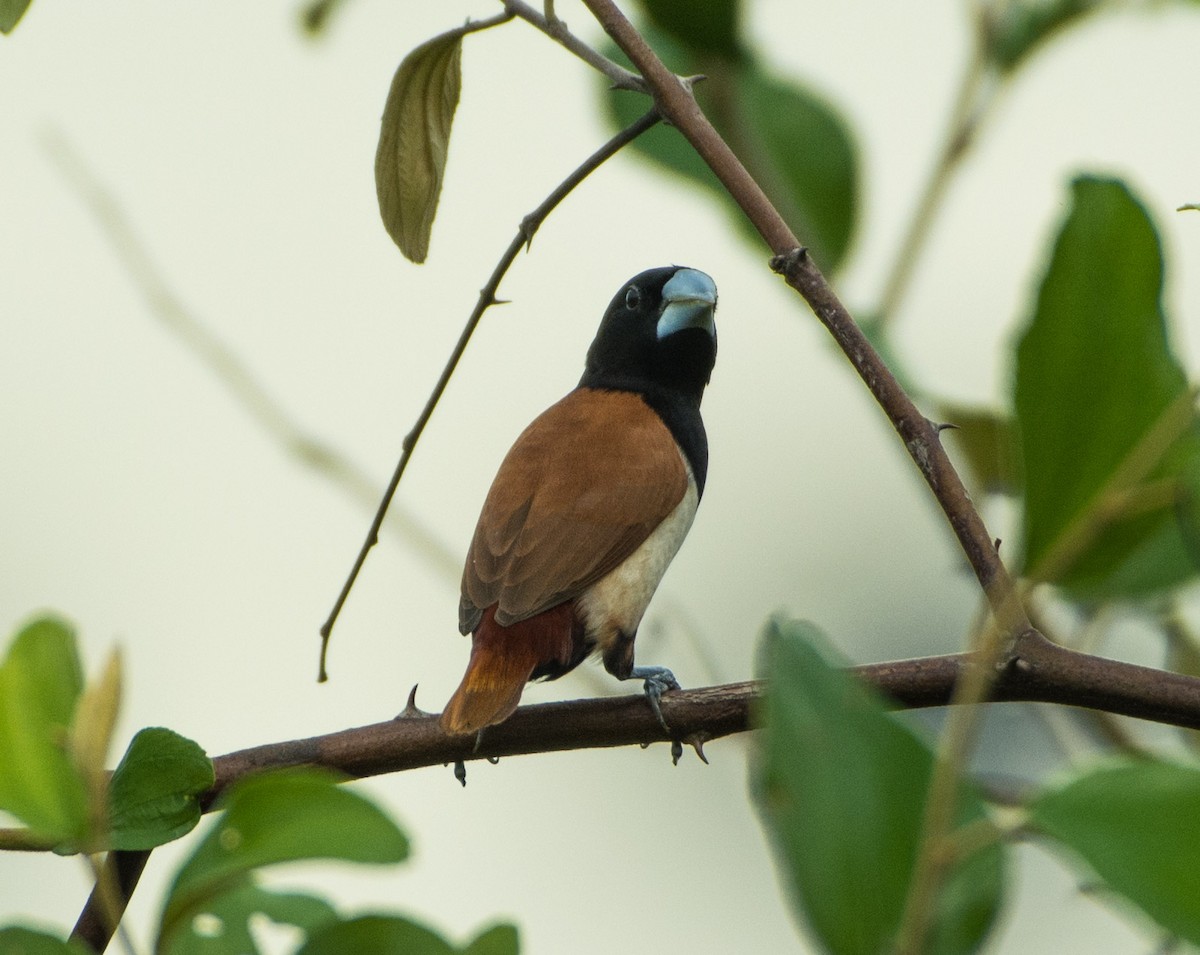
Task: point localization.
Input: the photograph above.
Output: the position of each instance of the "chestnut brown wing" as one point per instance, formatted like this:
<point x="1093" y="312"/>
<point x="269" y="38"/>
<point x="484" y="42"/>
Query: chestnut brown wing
<point x="583" y="486"/>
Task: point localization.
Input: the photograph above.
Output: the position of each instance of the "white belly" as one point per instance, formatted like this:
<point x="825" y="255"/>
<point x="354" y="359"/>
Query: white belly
<point x="613" y="607"/>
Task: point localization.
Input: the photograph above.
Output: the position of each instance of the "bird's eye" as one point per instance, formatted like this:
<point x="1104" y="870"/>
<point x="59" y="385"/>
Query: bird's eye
<point x="633" y="298"/>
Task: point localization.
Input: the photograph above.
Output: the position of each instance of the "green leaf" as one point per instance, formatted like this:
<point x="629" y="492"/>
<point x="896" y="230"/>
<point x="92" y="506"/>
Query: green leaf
<point x="11" y="12"/>
<point x="413" y="141"/>
<point x="988" y="441"/>
<point x="792" y="140"/>
<point x="1106" y="418"/>
<point x="40" y="682"/>
<point x="280" y="817"/>
<point x="1017" y="29"/>
<point x="154" y="792"/>
<point x="18" y="940"/>
<point x="841" y="787"/>
<point x="223" y="926"/>
<point x="1135" y="827"/>
<point x="500" y="939"/>
<point x="709" y="28"/>
<point x="808" y="163"/>
<point x="377" y="935"/>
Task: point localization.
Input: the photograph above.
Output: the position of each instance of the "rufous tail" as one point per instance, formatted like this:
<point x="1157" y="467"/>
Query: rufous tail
<point x="502" y="661"/>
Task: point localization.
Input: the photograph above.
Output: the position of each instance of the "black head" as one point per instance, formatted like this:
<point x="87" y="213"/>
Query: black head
<point x="657" y="335"/>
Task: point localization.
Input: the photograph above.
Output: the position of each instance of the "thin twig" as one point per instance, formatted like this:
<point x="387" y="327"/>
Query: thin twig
<point x="933" y="862"/>
<point x="551" y="25"/>
<point x="487" y="297"/>
<point x="94" y="927"/>
<point x="970" y="107"/>
<point x="110" y="901"/>
<point x="228" y="368"/>
<point x="678" y="106"/>
<point x="1010" y="630"/>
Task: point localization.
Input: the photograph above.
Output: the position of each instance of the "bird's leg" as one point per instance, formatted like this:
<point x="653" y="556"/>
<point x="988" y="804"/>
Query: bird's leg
<point x="618" y="660"/>
<point x="657" y="680"/>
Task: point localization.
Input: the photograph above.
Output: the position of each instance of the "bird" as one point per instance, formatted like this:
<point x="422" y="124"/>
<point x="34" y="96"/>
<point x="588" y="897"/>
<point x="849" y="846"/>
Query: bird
<point x="590" y="506"/>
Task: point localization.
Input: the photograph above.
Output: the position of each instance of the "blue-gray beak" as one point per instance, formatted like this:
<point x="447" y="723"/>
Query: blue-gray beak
<point x="689" y="301"/>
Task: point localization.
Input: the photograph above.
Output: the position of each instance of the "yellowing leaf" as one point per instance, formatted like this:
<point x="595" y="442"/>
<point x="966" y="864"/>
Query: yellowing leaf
<point x="91" y="735"/>
<point x="413" y="140"/>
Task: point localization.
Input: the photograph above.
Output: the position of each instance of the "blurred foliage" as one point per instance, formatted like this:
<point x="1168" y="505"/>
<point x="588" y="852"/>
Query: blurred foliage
<point x="1133" y="826"/>
<point x="841" y="787"/>
<point x="1016" y="30"/>
<point x="153" y="797"/>
<point x="11" y="12"/>
<point x="1105" y="414"/>
<point x="291" y="816"/>
<point x="1097" y="446"/>
<point x="793" y="141"/>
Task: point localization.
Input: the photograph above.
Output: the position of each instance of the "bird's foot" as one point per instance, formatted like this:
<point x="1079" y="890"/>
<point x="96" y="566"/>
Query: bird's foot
<point x="657" y="681"/>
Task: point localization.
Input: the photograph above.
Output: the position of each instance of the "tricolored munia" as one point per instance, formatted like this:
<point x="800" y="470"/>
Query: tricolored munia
<point x="591" y="504"/>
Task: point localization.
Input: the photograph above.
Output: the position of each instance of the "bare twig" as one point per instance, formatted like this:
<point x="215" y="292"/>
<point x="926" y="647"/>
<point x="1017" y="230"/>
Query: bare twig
<point x="677" y="105"/>
<point x="487" y="297"/>
<point x="228" y="368"/>
<point x="1010" y="632"/>
<point x="550" y="24"/>
<point x="94" y="926"/>
<point x="972" y="103"/>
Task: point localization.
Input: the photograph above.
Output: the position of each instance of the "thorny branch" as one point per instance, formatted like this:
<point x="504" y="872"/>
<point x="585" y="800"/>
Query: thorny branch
<point x="1009" y="633"/>
<point x="1014" y="662"/>
<point x="487" y="298"/>
<point x="1041" y="672"/>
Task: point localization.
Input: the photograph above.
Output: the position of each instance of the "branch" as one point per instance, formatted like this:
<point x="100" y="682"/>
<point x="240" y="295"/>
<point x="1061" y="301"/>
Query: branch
<point x="556" y="29"/>
<point x="487" y="298"/>
<point x="1038" y="671"/>
<point x="678" y="106"/>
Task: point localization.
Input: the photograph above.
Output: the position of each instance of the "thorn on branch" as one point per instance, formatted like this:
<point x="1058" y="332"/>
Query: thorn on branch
<point x="784" y="263"/>
<point x="696" y="741"/>
<point x="528" y="229"/>
<point x="411" y="710"/>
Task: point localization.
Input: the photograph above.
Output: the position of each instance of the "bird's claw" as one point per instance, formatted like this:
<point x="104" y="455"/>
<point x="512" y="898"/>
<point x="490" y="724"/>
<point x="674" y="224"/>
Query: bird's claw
<point x="657" y="681"/>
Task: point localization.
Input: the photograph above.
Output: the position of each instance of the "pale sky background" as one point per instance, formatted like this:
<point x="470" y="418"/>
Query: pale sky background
<point x="141" y="501"/>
